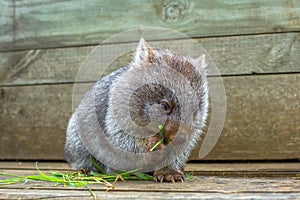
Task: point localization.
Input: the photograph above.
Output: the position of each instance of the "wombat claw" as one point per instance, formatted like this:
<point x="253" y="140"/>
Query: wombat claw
<point x="168" y="176"/>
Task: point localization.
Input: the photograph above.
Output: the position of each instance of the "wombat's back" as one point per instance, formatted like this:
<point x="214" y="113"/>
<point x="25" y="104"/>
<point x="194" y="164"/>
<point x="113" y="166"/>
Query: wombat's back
<point x="76" y="154"/>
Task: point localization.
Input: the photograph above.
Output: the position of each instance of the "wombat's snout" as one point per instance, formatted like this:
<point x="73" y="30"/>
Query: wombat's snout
<point x="175" y="132"/>
<point x="178" y="138"/>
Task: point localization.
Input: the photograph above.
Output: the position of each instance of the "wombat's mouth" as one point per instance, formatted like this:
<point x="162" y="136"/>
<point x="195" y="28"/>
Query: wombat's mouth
<point x="176" y="138"/>
<point x="162" y="138"/>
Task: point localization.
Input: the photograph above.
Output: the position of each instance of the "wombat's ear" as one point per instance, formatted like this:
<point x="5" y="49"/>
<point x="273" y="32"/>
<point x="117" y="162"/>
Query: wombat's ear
<point x="201" y="61"/>
<point x="143" y="54"/>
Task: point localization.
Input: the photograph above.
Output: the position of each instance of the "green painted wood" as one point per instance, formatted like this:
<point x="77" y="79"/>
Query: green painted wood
<point x="262" y="121"/>
<point x="6" y="22"/>
<point x="238" y="55"/>
<point x="29" y="24"/>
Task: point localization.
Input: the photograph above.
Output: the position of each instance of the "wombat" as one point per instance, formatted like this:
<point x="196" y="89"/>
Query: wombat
<point x="120" y="114"/>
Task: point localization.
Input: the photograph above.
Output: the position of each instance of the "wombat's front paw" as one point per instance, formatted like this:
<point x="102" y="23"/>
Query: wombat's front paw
<point x="168" y="175"/>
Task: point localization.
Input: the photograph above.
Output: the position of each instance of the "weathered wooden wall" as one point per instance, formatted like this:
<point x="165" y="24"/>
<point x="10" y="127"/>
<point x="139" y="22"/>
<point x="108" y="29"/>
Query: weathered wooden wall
<point x="255" y="44"/>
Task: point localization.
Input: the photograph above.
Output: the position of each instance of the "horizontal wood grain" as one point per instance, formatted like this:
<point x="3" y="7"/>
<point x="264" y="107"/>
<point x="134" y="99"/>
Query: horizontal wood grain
<point x="197" y="185"/>
<point x="209" y="186"/>
<point x="262" y="119"/>
<point x="43" y="24"/>
<point x="239" y="55"/>
<point x="79" y="195"/>
<point x="257" y="169"/>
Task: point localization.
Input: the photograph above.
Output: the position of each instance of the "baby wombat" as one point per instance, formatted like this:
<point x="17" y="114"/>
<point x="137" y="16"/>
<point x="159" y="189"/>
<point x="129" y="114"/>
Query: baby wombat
<point x="116" y="121"/>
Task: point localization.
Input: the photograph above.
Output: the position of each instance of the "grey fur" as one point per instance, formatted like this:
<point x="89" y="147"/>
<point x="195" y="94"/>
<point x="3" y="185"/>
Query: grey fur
<point x="186" y="79"/>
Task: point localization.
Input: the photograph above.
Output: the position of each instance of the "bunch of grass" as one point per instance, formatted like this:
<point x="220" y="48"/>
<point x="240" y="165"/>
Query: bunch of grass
<point x="77" y="179"/>
<point x="83" y="179"/>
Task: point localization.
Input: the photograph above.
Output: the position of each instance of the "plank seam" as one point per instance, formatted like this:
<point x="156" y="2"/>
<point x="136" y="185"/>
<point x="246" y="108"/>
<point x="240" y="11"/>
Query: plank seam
<point x="157" y="40"/>
<point x="85" y="82"/>
<point x="153" y="190"/>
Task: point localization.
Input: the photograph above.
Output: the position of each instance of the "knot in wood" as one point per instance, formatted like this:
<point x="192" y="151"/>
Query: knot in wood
<point x="172" y="11"/>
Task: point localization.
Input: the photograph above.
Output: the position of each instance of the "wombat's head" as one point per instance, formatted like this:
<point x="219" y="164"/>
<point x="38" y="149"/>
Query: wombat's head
<point x="161" y="87"/>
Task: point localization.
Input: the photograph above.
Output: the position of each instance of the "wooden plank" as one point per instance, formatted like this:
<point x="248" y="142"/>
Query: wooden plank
<point x="286" y="169"/>
<point x="221" y="167"/>
<point x="197" y="184"/>
<point x="6" y="21"/>
<point x="35" y="126"/>
<point x="44" y="24"/>
<point x="264" y="167"/>
<point x="199" y="187"/>
<point x="245" y="169"/>
<point x="12" y="65"/>
<point x="27" y="165"/>
<point x="269" y="53"/>
<point x="73" y="195"/>
<point x="262" y="119"/>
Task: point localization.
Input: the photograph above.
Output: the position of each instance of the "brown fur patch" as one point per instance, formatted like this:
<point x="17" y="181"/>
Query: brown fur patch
<point x="184" y="67"/>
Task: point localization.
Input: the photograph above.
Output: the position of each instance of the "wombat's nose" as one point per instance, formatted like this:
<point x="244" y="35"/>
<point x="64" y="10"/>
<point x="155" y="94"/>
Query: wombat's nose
<point x="180" y="138"/>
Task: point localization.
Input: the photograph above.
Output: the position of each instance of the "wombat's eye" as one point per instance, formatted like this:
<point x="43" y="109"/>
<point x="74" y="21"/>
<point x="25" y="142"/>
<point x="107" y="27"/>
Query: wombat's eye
<point x="165" y="106"/>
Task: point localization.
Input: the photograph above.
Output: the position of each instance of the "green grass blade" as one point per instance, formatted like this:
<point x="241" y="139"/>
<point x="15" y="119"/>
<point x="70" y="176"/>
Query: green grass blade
<point x="161" y="134"/>
<point x="161" y="131"/>
<point x="158" y="143"/>
<point x="143" y="176"/>
<point x="188" y="176"/>
<point x="92" y="192"/>
<point x="13" y="180"/>
<point x="97" y="165"/>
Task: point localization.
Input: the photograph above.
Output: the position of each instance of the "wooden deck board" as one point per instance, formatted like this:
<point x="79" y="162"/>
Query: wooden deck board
<point x="262" y="119"/>
<point x="209" y="186"/>
<point x="235" y="55"/>
<point x="43" y="24"/>
<point x="204" y="184"/>
<point x="253" y="168"/>
<point x="71" y="194"/>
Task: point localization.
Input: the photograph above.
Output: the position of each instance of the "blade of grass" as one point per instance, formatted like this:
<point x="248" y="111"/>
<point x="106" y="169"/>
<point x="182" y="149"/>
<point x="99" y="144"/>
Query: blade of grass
<point x="13" y="180"/>
<point x="92" y="192"/>
<point x="143" y="176"/>
<point x="188" y="176"/>
<point x="158" y="143"/>
<point x="97" y="165"/>
<point x="161" y="130"/>
<point x="161" y="134"/>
